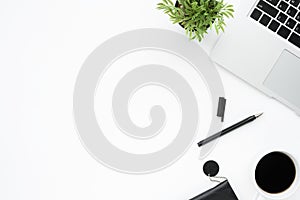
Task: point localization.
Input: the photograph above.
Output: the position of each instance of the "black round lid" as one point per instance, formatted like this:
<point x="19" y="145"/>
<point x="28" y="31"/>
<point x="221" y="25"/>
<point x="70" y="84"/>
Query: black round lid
<point x="211" y="168"/>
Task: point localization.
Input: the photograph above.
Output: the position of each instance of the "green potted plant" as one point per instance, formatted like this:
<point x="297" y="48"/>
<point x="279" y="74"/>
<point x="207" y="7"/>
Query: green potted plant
<point x="197" y="16"/>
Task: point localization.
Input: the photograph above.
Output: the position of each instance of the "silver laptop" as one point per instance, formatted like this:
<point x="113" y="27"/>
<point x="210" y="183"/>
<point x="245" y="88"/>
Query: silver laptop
<point x="262" y="46"/>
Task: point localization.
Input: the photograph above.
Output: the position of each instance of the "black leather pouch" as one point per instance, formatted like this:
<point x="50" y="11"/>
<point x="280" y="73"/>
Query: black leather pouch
<point x="223" y="191"/>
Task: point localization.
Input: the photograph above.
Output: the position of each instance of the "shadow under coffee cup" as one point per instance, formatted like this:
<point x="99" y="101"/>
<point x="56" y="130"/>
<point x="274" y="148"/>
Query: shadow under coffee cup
<point x="276" y="175"/>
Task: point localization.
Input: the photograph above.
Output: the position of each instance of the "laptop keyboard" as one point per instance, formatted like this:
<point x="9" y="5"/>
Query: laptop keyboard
<point x="281" y="17"/>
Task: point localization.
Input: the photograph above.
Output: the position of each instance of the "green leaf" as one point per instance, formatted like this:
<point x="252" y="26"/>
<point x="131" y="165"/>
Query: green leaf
<point x="170" y="2"/>
<point x="196" y="16"/>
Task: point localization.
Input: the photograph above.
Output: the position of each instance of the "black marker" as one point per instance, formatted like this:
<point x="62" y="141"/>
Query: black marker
<point x="229" y="129"/>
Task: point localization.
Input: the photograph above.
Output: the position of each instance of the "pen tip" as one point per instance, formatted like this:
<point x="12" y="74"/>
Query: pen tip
<point x="258" y="115"/>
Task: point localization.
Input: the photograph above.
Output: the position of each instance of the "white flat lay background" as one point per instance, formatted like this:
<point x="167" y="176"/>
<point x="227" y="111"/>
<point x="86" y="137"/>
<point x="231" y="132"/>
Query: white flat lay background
<point x="42" y="46"/>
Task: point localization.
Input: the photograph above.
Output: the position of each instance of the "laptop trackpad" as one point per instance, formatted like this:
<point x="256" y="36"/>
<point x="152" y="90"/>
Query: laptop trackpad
<point x="284" y="78"/>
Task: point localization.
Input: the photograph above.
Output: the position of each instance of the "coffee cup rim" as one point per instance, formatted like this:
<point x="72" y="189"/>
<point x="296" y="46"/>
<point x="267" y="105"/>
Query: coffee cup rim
<point x="289" y="191"/>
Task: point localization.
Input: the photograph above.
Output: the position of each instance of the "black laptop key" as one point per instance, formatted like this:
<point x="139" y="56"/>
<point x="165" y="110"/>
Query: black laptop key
<point x="256" y="14"/>
<point x="274" y="2"/>
<point x="265" y="20"/>
<point x="295" y="2"/>
<point x="282" y="17"/>
<point x="298" y="16"/>
<point x="274" y="25"/>
<point x="284" y="32"/>
<point x="290" y="23"/>
<point x="264" y="6"/>
<point x="283" y="6"/>
<point x="297" y="29"/>
<point x="291" y="11"/>
<point x="295" y="39"/>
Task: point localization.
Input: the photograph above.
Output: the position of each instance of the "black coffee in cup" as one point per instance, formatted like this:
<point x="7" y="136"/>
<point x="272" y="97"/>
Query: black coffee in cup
<point x="275" y="172"/>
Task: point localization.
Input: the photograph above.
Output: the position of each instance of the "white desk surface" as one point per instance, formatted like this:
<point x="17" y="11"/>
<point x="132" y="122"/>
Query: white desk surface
<point x="42" y="46"/>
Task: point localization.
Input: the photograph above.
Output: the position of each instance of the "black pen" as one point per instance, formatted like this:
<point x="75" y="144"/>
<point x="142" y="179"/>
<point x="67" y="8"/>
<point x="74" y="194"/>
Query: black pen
<point x="229" y="129"/>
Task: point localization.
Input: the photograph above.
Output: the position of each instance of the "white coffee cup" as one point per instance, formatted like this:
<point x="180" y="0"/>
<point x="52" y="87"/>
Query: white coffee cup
<point x="263" y="195"/>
